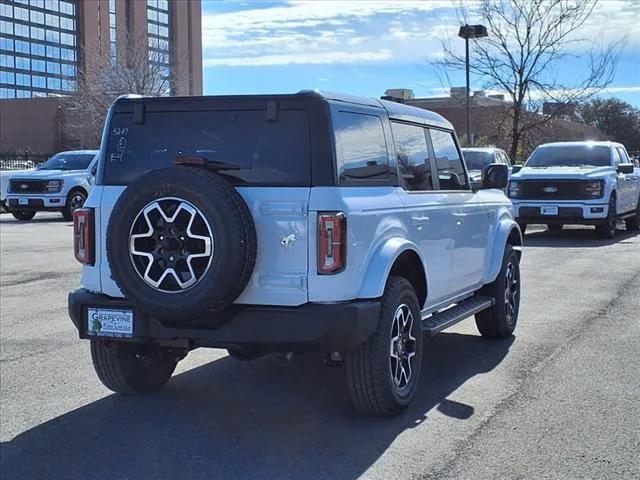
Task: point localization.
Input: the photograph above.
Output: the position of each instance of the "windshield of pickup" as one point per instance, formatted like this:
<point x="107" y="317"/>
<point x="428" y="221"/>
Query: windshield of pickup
<point x="477" y="160"/>
<point x="68" y="161"/>
<point x="569" y="156"/>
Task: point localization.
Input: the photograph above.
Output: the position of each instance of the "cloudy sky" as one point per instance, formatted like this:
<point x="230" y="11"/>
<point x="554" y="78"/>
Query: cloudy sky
<point x="364" y="47"/>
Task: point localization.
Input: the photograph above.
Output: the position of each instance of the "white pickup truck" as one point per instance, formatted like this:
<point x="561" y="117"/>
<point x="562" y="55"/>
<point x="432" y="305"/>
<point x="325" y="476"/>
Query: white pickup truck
<point x="61" y="184"/>
<point x="587" y="183"/>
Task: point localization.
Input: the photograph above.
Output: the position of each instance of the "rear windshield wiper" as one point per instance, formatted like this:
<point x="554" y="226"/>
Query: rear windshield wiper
<point x="214" y="165"/>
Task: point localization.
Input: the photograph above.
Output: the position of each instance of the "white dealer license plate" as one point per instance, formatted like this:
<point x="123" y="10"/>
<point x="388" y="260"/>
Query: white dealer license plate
<point x="110" y="322"/>
<point x="23" y="201"/>
<point x="549" y="210"/>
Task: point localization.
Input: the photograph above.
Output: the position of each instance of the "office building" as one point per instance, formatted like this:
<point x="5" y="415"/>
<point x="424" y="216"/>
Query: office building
<point x="45" y="43"/>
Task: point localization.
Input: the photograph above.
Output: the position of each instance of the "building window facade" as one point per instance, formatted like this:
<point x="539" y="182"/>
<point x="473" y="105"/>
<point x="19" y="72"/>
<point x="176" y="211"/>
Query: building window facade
<point x="159" y="35"/>
<point x="38" y="48"/>
<point x="112" y="31"/>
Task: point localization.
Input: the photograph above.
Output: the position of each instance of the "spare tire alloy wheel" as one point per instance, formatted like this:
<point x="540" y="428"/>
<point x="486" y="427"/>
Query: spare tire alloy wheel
<point x="181" y="243"/>
<point x="171" y="245"/>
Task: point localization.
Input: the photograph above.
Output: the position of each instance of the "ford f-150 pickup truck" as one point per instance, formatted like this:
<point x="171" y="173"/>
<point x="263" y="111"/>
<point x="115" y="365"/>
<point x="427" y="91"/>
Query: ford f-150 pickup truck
<point x="587" y="183"/>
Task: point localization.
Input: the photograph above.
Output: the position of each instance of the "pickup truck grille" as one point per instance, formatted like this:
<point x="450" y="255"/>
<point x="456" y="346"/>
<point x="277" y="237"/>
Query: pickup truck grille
<point x="27" y="186"/>
<point x="553" y="190"/>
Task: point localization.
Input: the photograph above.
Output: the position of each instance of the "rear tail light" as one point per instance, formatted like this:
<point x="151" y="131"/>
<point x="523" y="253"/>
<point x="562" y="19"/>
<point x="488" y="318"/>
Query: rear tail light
<point x="84" y="236"/>
<point x="332" y="242"/>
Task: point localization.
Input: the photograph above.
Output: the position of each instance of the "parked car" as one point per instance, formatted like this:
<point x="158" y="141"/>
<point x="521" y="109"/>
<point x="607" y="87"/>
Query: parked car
<point x="477" y="158"/>
<point x="8" y="168"/>
<point x="288" y="223"/>
<point x="585" y="183"/>
<point x="61" y="184"/>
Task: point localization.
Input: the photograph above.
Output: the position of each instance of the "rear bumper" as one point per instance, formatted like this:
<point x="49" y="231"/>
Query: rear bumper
<point x="568" y="212"/>
<point x="36" y="202"/>
<point x="307" y="328"/>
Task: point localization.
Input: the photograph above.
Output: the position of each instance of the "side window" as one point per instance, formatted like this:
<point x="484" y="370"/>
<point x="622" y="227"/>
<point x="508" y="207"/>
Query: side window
<point x="450" y="168"/>
<point x="616" y="157"/>
<point x="506" y="159"/>
<point x="362" y="150"/>
<point x="623" y="155"/>
<point x="413" y="156"/>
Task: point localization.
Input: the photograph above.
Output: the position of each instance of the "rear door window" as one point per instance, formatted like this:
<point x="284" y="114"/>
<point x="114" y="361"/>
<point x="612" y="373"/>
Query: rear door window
<point x="413" y="157"/>
<point x="451" y="172"/>
<point x="259" y="151"/>
<point x="361" y="147"/>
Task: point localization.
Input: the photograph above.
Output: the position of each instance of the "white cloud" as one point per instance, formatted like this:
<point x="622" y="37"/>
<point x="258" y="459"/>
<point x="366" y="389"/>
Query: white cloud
<point x="300" y="58"/>
<point x="315" y="32"/>
<point x="325" y="32"/>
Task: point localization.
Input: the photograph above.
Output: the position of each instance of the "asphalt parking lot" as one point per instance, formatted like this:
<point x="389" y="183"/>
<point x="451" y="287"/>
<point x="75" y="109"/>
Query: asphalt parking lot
<point x="560" y="400"/>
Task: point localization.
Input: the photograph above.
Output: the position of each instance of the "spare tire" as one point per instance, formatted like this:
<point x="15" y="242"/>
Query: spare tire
<point x="181" y="242"/>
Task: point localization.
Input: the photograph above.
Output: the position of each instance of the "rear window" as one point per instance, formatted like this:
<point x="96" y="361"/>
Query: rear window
<point x="477" y="160"/>
<point x="570" y="156"/>
<point x="260" y="151"/>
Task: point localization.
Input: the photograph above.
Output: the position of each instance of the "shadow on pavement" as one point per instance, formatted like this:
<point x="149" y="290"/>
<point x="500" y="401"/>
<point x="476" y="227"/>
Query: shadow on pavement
<point x="574" y="238"/>
<point x="243" y="420"/>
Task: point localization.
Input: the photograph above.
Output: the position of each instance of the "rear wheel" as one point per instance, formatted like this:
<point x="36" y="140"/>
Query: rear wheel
<point x="608" y="228"/>
<point x="75" y="200"/>
<point x="130" y="368"/>
<point x="23" y="215"/>
<point x="633" y="223"/>
<point x="500" y="320"/>
<point x="555" y="227"/>
<point x="384" y="371"/>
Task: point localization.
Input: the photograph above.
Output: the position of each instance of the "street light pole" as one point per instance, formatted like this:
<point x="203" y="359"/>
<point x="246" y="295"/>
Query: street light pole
<point x="467" y="32"/>
<point x="468" y="95"/>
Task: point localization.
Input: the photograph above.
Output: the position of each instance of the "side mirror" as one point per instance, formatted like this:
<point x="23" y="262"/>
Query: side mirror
<point x="516" y="169"/>
<point x="495" y="175"/>
<point x="626" y="168"/>
<point x="94" y="170"/>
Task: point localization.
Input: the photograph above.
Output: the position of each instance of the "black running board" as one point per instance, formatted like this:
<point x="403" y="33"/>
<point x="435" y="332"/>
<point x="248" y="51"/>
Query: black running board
<point x="436" y="322"/>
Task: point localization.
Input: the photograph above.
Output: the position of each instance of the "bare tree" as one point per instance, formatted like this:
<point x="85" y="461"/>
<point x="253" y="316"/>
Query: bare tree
<point x="135" y="70"/>
<point x="528" y="44"/>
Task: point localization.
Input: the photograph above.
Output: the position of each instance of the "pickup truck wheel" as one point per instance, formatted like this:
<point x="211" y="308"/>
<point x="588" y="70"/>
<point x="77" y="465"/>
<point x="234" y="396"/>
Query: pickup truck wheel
<point x="500" y="320"/>
<point x="633" y="223"/>
<point x="75" y="200"/>
<point x="555" y="227"/>
<point x="23" y="215"/>
<point x="523" y="227"/>
<point x="244" y="354"/>
<point x="383" y="372"/>
<point x="129" y="368"/>
<point x="608" y="228"/>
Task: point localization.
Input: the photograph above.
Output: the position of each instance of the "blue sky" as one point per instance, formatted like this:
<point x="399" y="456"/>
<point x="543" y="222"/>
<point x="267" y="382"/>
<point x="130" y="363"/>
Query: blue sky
<point x="364" y="47"/>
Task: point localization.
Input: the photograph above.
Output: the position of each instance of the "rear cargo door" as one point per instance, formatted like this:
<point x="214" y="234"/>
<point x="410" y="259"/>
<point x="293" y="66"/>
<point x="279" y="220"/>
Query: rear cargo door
<point x="268" y="150"/>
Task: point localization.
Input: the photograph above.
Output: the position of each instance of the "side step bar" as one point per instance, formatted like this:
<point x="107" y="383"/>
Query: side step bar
<point x="438" y="321"/>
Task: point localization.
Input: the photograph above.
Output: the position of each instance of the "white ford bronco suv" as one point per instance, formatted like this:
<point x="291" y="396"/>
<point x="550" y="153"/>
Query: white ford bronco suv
<point x="295" y="223"/>
<point x="61" y="184"/>
<point x="586" y="183"/>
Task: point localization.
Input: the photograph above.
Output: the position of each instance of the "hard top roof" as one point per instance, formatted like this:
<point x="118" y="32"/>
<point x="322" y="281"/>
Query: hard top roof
<point x="395" y="110"/>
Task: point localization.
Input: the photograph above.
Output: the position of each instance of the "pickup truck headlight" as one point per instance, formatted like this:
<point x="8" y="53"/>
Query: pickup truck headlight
<point x="53" y="186"/>
<point x="514" y="189"/>
<point x="594" y="189"/>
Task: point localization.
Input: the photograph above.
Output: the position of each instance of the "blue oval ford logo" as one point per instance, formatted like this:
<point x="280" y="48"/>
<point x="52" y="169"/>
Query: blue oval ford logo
<point x="550" y="189"/>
